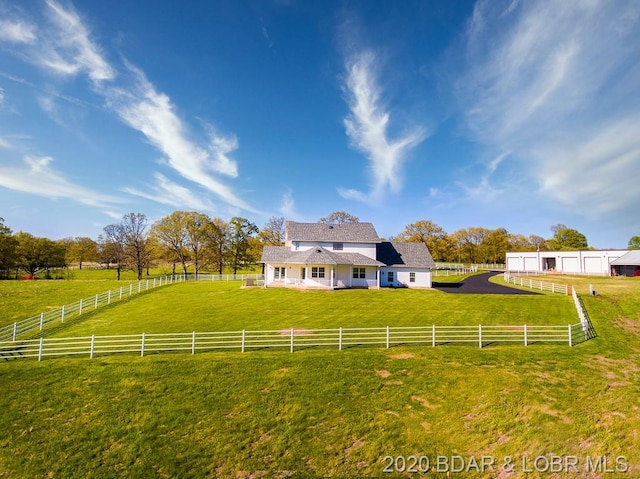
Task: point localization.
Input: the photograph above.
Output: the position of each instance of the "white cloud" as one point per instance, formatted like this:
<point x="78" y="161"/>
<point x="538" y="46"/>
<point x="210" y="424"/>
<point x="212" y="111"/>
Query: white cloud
<point x="70" y="50"/>
<point x="367" y="128"/>
<point x="170" y="193"/>
<point x="37" y="177"/>
<point x="555" y="84"/>
<point x="152" y="113"/>
<point x="17" y="31"/>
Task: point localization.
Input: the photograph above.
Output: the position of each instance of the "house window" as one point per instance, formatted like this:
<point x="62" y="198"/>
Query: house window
<point x="359" y="273"/>
<point x="317" y="272"/>
<point x="338" y="246"/>
<point x="303" y="273"/>
<point x="279" y="272"/>
<point x="412" y="277"/>
<point x="389" y="276"/>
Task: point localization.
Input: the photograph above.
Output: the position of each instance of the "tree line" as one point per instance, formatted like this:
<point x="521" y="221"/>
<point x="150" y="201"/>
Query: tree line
<point x="188" y="239"/>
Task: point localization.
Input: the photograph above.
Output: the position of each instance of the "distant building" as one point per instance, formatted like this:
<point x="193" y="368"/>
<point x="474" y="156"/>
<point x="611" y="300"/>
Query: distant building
<point x="627" y="264"/>
<point x="594" y="262"/>
<point x="345" y="255"/>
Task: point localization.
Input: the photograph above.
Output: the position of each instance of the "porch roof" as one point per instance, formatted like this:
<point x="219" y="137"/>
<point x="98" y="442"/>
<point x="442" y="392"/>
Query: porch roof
<point x="315" y="255"/>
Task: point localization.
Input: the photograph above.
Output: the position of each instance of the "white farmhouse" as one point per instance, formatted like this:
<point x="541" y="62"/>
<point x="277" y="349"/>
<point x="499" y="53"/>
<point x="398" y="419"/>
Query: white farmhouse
<point x="345" y="255"/>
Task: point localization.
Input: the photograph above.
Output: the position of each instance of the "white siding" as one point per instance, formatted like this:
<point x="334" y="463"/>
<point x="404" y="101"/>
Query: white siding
<point x="570" y="264"/>
<point x="365" y="249"/>
<point x="402" y="277"/>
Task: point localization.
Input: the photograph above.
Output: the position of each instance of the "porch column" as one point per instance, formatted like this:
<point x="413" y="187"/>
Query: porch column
<point x="332" y="277"/>
<point x="378" y="277"/>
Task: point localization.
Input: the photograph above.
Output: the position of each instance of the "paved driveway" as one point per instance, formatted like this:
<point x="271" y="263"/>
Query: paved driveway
<point x="478" y="284"/>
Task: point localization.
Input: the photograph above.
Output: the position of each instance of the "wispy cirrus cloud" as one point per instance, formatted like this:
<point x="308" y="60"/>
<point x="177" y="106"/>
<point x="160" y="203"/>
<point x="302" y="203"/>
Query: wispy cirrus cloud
<point x="367" y="127"/>
<point x="36" y="176"/>
<point x="556" y="85"/>
<point x="17" y="31"/>
<point x="173" y="194"/>
<point x="64" y="47"/>
<point x="145" y="109"/>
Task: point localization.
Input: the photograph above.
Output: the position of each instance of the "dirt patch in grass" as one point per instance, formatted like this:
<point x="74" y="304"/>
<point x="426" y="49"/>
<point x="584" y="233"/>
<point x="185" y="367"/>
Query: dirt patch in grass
<point x="402" y="356"/>
<point x="383" y="373"/>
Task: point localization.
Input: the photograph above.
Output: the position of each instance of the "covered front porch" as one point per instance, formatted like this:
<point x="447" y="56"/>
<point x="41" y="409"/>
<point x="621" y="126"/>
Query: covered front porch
<point x="323" y="276"/>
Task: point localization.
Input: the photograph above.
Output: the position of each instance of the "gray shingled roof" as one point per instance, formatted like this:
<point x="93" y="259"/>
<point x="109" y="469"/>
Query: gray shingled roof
<point x="632" y="258"/>
<point x="410" y="255"/>
<point x="316" y="255"/>
<point x="342" y="233"/>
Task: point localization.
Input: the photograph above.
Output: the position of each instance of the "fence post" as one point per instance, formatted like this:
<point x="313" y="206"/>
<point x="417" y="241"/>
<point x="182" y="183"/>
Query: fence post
<point x="243" y="338"/>
<point x="193" y="343"/>
<point x="62" y="314"/>
<point x="109" y="297"/>
<point x="291" y="339"/>
<point x="480" y="336"/>
<point x="120" y="293"/>
<point x="387" y="337"/>
<point x="147" y="288"/>
<point x="41" y="321"/>
<point x="40" y="349"/>
<point x="139" y="285"/>
<point x="570" y="337"/>
<point x="433" y="335"/>
<point x="340" y="339"/>
<point x="95" y="306"/>
<point x="15" y="331"/>
<point x="526" y="340"/>
<point x="154" y="283"/>
<point x="80" y="308"/>
<point x="142" y="346"/>
<point x="93" y="345"/>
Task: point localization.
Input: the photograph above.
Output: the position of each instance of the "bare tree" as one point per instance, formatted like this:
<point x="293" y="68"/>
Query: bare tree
<point x="112" y="247"/>
<point x="134" y="231"/>
<point x="339" y="217"/>
<point x="273" y="232"/>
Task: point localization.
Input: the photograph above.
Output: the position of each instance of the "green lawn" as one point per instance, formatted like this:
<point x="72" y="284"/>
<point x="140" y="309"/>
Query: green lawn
<point x="319" y="413"/>
<point x="225" y="306"/>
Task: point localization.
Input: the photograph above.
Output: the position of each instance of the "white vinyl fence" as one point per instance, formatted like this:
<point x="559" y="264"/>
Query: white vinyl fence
<point x="85" y="305"/>
<point x="291" y="340"/>
<point x="535" y="284"/>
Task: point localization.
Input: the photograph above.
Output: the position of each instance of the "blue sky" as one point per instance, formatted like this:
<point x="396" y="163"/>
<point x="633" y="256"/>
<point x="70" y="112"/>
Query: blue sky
<point x="515" y="114"/>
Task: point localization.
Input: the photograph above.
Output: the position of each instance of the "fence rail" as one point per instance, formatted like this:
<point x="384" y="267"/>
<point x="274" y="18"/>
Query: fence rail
<point x="535" y="284"/>
<point x="59" y="315"/>
<point x="290" y="339"/>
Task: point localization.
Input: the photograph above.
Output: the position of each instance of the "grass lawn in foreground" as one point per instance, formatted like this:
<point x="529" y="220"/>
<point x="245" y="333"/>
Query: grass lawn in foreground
<point x="327" y="413"/>
<point x="225" y="306"/>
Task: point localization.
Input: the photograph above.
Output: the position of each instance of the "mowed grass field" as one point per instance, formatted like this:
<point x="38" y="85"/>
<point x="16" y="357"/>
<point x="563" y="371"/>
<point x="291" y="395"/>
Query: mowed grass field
<point x="326" y="413"/>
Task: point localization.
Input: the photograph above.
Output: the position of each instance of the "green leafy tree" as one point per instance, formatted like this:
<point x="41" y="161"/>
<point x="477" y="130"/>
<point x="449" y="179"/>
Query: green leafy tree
<point x="432" y="235"/>
<point x="171" y="233"/>
<point x="241" y="230"/>
<point x="195" y="228"/>
<point x="39" y="254"/>
<point x="567" y="239"/>
<point x="8" y="246"/>
<point x="634" y="242"/>
<point x="216" y="239"/>
<point x="494" y="246"/>
<point x="82" y="249"/>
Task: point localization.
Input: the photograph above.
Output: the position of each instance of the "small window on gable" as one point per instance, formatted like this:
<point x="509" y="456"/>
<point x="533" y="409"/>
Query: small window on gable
<point x="338" y="246"/>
